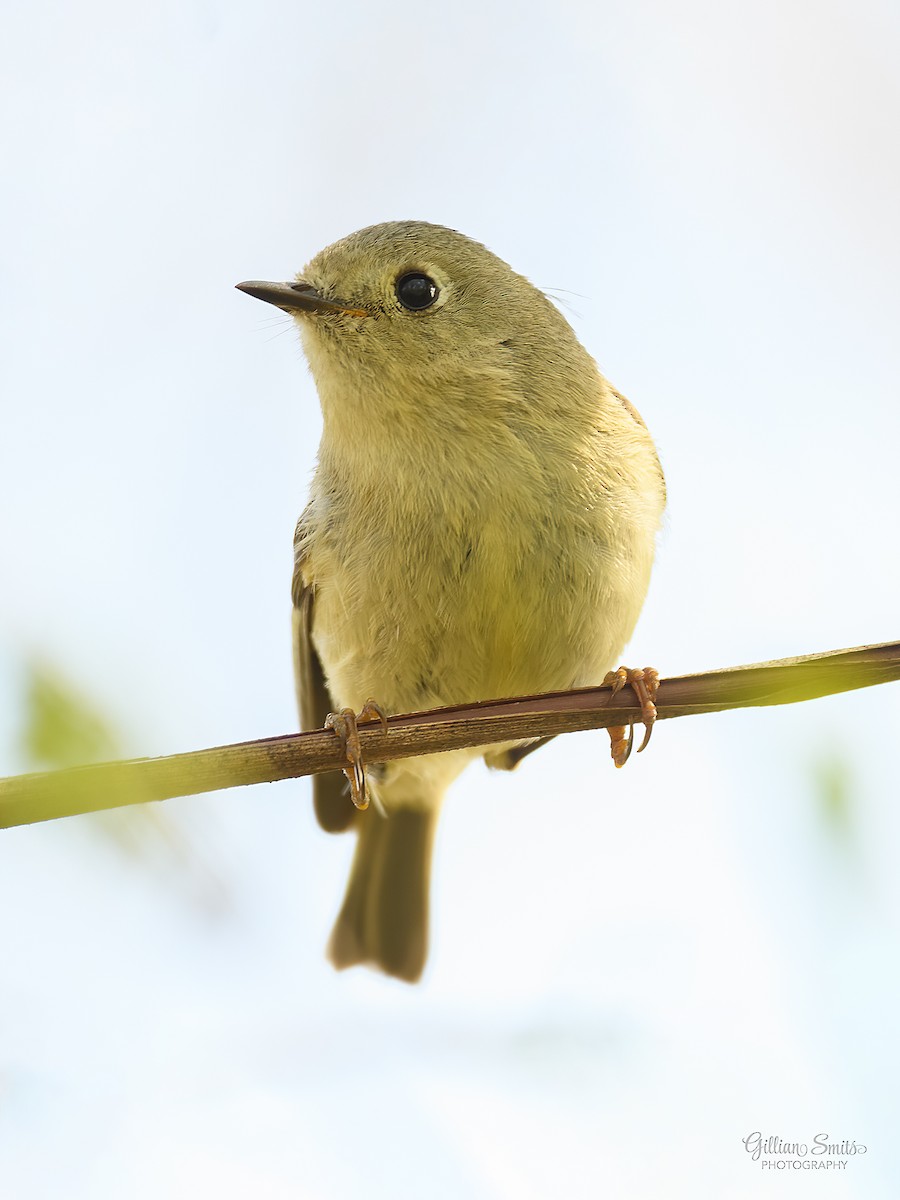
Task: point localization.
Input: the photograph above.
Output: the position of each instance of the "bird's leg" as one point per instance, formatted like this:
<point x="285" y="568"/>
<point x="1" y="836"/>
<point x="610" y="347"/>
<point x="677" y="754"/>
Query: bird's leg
<point x="644" y="683"/>
<point x="346" y="725"/>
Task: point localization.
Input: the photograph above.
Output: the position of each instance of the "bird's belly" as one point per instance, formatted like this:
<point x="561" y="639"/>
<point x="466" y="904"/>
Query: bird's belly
<point x="439" y="616"/>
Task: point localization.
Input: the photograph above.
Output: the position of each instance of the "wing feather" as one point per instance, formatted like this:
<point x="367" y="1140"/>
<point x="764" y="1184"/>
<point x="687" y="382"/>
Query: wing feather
<point x="331" y="794"/>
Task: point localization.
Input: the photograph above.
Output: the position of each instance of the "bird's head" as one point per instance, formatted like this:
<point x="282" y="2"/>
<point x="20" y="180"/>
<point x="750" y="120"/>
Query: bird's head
<point x="412" y="314"/>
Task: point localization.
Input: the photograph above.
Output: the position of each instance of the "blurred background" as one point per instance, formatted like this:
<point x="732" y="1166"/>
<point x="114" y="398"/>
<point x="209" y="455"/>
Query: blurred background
<point x="631" y="971"/>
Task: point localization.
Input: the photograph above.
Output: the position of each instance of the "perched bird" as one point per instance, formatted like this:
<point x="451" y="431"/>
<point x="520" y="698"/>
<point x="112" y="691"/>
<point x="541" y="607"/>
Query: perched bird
<point x="482" y="523"/>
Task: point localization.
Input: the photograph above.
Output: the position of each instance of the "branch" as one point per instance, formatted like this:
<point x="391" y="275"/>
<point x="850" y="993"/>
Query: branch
<point x="42" y="797"/>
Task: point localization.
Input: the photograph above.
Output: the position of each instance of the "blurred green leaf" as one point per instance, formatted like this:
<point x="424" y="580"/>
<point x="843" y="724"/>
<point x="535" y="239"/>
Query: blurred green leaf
<point x="62" y="727"/>
<point x="834" y="793"/>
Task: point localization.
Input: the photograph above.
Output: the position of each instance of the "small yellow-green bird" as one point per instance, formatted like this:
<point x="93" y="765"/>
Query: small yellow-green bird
<point x="482" y="523"/>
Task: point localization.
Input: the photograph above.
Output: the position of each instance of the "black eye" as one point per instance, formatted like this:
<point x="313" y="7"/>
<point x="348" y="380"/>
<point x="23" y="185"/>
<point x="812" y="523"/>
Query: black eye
<point x="416" y="291"/>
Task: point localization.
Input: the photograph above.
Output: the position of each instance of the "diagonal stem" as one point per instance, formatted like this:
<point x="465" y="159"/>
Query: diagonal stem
<point x="26" y="799"/>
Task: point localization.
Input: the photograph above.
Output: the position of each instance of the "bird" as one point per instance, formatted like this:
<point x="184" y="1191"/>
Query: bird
<point x="481" y="523"/>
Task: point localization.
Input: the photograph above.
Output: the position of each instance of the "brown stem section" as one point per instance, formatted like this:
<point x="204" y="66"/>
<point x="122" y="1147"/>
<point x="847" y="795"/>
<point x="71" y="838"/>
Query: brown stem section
<point x="28" y="798"/>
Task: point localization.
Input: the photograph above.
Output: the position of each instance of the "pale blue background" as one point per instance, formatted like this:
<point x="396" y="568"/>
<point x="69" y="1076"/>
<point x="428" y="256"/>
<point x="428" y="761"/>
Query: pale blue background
<point x="631" y="970"/>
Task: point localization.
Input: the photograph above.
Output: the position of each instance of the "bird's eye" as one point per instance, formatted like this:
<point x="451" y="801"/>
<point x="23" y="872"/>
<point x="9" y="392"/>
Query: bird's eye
<point x="416" y="291"/>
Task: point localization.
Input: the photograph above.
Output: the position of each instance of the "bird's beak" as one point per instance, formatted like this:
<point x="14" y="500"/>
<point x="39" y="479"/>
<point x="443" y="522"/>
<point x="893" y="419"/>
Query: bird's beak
<point x="299" y="296"/>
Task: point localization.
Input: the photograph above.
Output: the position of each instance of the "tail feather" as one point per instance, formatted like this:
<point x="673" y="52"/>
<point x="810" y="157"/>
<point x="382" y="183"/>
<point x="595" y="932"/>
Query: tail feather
<point x="384" y="918"/>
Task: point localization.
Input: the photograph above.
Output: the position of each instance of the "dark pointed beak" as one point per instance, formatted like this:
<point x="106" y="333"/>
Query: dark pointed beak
<point x="297" y="297"/>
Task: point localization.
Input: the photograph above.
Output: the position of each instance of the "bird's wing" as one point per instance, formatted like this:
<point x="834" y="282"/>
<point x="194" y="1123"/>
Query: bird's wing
<point x="629" y="408"/>
<point x="331" y="795"/>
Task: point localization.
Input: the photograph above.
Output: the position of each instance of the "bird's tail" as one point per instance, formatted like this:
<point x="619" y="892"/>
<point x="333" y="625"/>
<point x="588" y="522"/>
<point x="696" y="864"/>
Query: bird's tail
<point x="384" y="918"/>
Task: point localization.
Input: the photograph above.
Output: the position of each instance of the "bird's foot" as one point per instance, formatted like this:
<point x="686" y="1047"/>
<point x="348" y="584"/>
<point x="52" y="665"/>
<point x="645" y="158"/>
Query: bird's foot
<point x="345" y="725"/>
<point x="644" y="683"/>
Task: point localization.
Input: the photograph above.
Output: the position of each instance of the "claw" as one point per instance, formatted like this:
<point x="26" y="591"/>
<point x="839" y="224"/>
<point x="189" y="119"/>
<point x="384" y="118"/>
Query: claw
<point x="644" y="684"/>
<point x="620" y="746"/>
<point x="345" y="725"/>
<point x="372" y="711"/>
